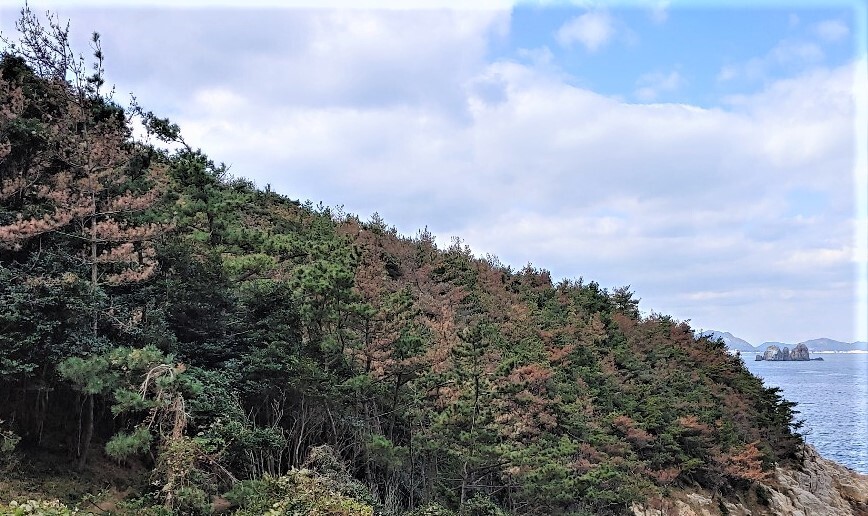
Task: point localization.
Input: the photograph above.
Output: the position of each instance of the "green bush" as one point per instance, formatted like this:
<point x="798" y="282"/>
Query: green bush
<point x="39" y="508"/>
<point x="123" y="445"/>
<point x="249" y="493"/>
<point x="192" y="500"/>
<point x="480" y="505"/>
<point x="762" y="494"/>
<point x="432" y="509"/>
<point x="298" y="493"/>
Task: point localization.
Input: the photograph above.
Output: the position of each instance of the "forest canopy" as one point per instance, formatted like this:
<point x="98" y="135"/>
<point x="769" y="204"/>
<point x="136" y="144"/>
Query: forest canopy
<point x="158" y="313"/>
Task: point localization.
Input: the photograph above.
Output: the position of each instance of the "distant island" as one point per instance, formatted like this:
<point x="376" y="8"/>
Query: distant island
<point x="821" y="345"/>
<point x="774" y="354"/>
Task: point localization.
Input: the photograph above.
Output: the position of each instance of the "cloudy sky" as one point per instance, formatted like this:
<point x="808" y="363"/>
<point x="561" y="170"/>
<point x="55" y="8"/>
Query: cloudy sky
<point x="712" y="158"/>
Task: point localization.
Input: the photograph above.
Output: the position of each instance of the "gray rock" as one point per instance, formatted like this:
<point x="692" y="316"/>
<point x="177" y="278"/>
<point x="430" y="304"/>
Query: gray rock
<point x="800" y="352"/>
<point x="772" y="353"/>
<point x="821" y="487"/>
<point x="775" y="354"/>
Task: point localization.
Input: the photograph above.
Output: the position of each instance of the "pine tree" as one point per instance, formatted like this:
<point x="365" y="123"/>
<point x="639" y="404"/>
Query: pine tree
<point x="78" y="182"/>
<point x="89" y="181"/>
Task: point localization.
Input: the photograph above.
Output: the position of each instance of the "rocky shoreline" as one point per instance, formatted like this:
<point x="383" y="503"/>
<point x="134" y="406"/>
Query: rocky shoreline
<point x="819" y="487"/>
<point x="822" y="486"/>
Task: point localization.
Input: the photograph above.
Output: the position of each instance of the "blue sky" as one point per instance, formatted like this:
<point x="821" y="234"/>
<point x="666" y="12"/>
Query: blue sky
<point x="693" y="55"/>
<point x="713" y="158"/>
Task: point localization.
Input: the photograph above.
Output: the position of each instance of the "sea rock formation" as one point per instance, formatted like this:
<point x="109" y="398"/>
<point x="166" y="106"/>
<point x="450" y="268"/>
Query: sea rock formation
<point x="819" y="487"/>
<point x="800" y="352"/>
<point x="774" y="353"/>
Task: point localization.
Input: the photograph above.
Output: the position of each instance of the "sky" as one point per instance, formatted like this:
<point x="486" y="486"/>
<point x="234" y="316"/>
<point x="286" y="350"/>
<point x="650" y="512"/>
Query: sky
<point x="713" y="158"/>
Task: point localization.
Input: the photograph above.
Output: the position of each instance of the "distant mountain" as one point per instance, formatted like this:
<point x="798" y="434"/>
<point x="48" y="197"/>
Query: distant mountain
<point x="732" y="342"/>
<point x="814" y="345"/>
<point x="834" y="345"/>
<point x="762" y="347"/>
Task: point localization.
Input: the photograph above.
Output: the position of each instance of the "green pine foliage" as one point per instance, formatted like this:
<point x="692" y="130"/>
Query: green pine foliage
<point x="302" y="361"/>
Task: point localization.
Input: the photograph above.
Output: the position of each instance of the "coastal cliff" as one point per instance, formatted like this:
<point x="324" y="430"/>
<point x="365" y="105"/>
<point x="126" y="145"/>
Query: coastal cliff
<point x="819" y="487"/>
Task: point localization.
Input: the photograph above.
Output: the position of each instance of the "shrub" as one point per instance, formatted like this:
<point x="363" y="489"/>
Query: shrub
<point x="8" y="442"/>
<point x="298" y="493"/>
<point x="432" y="509"/>
<point x="38" y="508"/>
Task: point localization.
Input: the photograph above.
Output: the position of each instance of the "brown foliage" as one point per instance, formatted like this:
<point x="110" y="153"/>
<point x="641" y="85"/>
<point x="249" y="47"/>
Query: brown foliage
<point x="636" y="436"/>
<point x="75" y="181"/>
<point x="665" y="476"/>
<point x="746" y="463"/>
<point x="693" y="427"/>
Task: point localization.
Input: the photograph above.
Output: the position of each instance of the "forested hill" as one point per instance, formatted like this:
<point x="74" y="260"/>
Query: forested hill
<point x="157" y="313"/>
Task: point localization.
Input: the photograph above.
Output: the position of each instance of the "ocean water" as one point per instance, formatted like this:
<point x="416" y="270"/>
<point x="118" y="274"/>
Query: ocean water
<point x="832" y="398"/>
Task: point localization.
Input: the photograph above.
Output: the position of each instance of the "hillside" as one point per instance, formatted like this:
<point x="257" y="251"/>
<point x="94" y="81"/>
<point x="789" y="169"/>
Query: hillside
<point x="176" y="340"/>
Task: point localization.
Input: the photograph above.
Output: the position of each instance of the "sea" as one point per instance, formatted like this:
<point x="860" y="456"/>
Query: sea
<point x="832" y="400"/>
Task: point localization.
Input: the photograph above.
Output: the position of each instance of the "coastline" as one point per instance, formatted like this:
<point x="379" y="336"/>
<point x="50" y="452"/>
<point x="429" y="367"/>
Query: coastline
<point x="818" y="486"/>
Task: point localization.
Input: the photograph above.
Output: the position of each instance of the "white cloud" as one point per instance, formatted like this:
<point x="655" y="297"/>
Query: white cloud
<point x="651" y="85"/>
<point x="540" y="57"/>
<point x="593" y="30"/>
<point x="806" y="119"/>
<point x="796" y="51"/>
<point x="315" y="57"/>
<point x="802" y="259"/>
<point x="728" y="72"/>
<point x="787" y="55"/>
<point x="659" y="13"/>
<point x="831" y="30"/>
<point x="219" y="100"/>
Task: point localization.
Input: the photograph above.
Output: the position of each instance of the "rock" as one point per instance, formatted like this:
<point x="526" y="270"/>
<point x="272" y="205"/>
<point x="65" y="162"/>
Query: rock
<point x="800" y="352"/>
<point x="820" y="487"/>
<point x="772" y="353"/>
<point x="775" y="354"/>
<point x="689" y="503"/>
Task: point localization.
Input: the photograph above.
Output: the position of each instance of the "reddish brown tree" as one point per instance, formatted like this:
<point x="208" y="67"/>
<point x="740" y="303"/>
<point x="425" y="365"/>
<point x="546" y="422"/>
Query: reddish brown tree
<point x="746" y="462"/>
<point x="87" y="181"/>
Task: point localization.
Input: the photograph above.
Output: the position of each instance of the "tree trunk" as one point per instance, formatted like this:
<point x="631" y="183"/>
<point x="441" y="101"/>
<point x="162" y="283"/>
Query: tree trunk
<point x="88" y="432"/>
<point x="94" y="272"/>
<point x="394" y="409"/>
<point x="84" y="444"/>
<point x="463" y="486"/>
